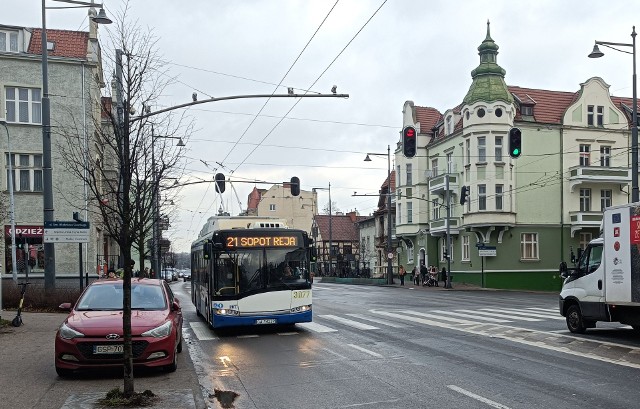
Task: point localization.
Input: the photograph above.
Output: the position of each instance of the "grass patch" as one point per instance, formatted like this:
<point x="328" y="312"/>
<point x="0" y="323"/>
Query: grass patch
<point x="4" y="323"/>
<point x="116" y="399"/>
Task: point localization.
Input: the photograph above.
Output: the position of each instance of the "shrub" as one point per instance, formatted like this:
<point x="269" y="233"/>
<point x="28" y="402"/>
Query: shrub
<point x="36" y="298"/>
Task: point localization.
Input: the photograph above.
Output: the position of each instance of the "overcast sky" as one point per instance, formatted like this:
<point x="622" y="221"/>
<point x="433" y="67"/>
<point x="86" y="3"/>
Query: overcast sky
<point x="419" y="50"/>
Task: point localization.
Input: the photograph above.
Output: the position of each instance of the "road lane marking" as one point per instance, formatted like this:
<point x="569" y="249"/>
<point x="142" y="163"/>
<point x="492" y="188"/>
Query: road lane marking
<point x="315" y="327"/>
<point x="479" y="398"/>
<point x="248" y="336"/>
<point x="451" y="319"/>
<point x="528" y="314"/>
<point x="492" y="314"/>
<point x="471" y="315"/>
<point x="202" y="331"/>
<point x="366" y="351"/>
<point x="351" y="323"/>
<point x="377" y="321"/>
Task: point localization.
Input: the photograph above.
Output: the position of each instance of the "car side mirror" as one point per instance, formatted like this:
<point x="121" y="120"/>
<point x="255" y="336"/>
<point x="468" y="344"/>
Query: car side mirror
<point x="65" y="306"/>
<point x="175" y="306"/>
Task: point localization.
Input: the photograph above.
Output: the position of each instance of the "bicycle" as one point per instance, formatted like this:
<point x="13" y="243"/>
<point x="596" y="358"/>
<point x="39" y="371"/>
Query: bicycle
<point x="17" y="321"/>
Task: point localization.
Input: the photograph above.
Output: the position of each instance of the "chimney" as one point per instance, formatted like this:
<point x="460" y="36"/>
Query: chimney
<point x="353" y="215"/>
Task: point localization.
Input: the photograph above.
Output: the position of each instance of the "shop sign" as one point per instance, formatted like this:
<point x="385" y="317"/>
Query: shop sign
<point x="25" y="230"/>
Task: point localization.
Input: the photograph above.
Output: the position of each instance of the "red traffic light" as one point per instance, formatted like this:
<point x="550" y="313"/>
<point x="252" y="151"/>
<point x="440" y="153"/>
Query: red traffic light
<point x="409" y="141"/>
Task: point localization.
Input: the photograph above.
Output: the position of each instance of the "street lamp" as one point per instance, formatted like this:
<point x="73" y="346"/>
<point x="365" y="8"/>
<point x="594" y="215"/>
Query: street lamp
<point x="13" y="213"/>
<point x="389" y="254"/>
<point x="596" y="53"/>
<point x="155" y="229"/>
<point x="47" y="180"/>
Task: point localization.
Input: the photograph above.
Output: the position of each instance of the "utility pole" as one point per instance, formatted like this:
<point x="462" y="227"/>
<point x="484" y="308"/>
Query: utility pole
<point x="447" y="283"/>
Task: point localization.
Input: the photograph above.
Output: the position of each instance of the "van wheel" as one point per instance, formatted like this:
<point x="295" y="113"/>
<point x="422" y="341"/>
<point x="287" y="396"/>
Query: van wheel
<point x="575" y="322"/>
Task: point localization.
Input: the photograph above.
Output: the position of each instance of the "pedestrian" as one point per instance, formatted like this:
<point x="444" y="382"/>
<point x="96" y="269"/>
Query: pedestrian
<point x="416" y="275"/>
<point x="444" y="275"/>
<point x="423" y="272"/>
<point x="401" y="273"/>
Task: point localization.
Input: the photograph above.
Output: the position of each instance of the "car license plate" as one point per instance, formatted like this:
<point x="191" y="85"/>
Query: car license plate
<point x="267" y="321"/>
<point x="108" y="349"/>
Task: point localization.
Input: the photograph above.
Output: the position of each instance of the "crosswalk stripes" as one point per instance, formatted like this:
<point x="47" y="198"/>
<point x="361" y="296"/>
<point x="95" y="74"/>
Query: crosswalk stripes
<point x="402" y="318"/>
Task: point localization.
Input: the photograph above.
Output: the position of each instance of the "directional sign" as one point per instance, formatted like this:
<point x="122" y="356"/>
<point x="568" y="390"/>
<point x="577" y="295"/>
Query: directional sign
<point x="487" y="251"/>
<point x="66" y="232"/>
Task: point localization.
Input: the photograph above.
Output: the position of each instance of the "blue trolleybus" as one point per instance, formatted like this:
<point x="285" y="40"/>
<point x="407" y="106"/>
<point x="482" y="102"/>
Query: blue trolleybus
<point x="251" y="271"/>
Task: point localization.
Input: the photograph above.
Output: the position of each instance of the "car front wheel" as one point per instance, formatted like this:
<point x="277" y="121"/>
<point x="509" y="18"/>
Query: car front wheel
<point x="575" y="322"/>
<point x="173" y="365"/>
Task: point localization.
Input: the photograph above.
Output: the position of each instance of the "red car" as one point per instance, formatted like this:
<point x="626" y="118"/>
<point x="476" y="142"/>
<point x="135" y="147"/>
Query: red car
<point x="92" y="337"/>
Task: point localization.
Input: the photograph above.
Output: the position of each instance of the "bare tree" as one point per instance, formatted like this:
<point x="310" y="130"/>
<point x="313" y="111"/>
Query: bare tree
<point x="330" y="208"/>
<point x="118" y="170"/>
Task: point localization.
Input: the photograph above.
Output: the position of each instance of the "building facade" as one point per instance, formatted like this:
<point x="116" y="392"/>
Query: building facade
<point x="277" y="201"/>
<point x="75" y="79"/>
<point x="524" y="215"/>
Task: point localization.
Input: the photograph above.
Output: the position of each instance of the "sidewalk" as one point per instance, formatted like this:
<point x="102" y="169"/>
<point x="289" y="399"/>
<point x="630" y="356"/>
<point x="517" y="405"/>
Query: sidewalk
<point x="28" y="378"/>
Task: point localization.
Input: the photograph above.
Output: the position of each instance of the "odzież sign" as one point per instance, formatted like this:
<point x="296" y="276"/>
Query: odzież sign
<point x="26" y="231"/>
<point x="66" y="232"/>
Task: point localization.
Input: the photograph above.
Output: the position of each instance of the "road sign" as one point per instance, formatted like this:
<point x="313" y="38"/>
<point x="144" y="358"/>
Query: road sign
<point x="487" y="251"/>
<point x="66" y="232"/>
<point x="390" y="256"/>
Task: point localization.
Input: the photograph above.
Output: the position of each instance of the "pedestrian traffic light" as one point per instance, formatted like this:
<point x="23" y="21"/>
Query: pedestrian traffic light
<point x="409" y="135"/>
<point x="515" y="143"/>
<point x="464" y="193"/>
<point x="295" y="186"/>
<point x="219" y="182"/>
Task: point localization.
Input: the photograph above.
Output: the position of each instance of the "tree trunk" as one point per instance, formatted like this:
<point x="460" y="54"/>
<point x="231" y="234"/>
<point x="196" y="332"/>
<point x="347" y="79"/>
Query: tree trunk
<point x="126" y="322"/>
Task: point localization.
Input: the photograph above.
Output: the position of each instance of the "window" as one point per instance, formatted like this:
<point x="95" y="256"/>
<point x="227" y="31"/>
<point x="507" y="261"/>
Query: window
<point x="409" y="175"/>
<point x="529" y="246"/>
<point x="605" y="199"/>
<point x="434" y="168"/>
<point x="449" y="127"/>
<point x="9" y="41"/>
<point x="481" y="113"/>
<point x="585" y="155"/>
<point x="600" y="115"/>
<point x="498" y="148"/>
<point x="585" y="238"/>
<point x="498" y="112"/>
<point x="465" y="248"/>
<point x="398" y="177"/>
<point x="482" y="149"/>
<point x="526" y="110"/>
<point x="23" y="105"/>
<point x="450" y="162"/>
<point x="482" y="197"/>
<point x="468" y="152"/>
<point x="585" y="200"/>
<point x="436" y="209"/>
<point x="590" y="115"/>
<point x="499" y="196"/>
<point x="272" y="207"/>
<point x="409" y="212"/>
<point x="410" y="253"/>
<point x="27" y="172"/>
<point x="605" y="156"/>
<point x="399" y="213"/>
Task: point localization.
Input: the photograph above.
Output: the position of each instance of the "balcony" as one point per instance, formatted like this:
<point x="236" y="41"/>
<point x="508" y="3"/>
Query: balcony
<point x="439" y="226"/>
<point x="437" y="184"/>
<point x="598" y="174"/>
<point x="581" y="220"/>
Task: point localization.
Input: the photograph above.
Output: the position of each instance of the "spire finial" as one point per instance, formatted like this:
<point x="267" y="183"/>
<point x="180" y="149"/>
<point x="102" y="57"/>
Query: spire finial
<point x="488" y="30"/>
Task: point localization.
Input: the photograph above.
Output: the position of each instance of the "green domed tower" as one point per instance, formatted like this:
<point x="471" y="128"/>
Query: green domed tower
<point x="488" y="78"/>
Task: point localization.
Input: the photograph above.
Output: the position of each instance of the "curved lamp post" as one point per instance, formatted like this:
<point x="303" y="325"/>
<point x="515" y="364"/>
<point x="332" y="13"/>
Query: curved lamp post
<point x="596" y="53"/>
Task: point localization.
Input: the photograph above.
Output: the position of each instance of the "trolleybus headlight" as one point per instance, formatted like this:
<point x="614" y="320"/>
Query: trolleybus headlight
<point x="224" y="311"/>
<point x="301" y="308"/>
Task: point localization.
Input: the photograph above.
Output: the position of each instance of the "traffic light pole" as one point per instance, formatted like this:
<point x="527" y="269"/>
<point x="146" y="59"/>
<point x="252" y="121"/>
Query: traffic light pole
<point x="447" y="283"/>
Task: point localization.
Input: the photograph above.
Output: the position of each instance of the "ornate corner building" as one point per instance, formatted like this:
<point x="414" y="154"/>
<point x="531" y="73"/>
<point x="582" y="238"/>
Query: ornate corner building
<point x="521" y="216"/>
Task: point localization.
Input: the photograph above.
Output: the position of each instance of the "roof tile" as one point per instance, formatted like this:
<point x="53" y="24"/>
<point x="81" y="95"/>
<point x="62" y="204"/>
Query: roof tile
<point x="70" y="44"/>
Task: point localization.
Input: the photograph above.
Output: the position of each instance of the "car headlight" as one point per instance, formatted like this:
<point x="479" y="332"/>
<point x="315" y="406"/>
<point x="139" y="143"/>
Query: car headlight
<point x="162" y="331"/>
<point x="67" y="332"/>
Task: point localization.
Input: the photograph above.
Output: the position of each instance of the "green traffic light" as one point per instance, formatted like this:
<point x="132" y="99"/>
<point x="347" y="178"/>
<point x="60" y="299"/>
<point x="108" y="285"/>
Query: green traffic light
<point x="516" y="152"/>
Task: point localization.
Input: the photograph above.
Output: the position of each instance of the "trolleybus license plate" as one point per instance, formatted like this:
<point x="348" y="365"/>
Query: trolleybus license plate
<point x="267" y="321"/>
<point x="108" y="349"/>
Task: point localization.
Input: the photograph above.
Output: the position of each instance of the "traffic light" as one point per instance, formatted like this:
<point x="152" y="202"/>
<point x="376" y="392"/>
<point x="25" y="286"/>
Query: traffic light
<point x="409" y="135"/>
<point x="464" y="193"/>
<point x="295" y="186"/>
<point x="219" y="183"/>
<point x="515" y="143"/>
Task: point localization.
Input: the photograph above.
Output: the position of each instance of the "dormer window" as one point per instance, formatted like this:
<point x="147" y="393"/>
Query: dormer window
<point x="526" y="110"/>
<point x="8" y="41"/>
<point x="449" y="127"/>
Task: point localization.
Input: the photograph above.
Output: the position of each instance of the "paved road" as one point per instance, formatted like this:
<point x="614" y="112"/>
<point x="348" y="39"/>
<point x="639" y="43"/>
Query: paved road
<point x="388" y="347"/>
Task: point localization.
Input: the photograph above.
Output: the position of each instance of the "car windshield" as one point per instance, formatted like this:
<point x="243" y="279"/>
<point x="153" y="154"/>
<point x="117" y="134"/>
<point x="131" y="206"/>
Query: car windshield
<point x="109" y="297"/>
